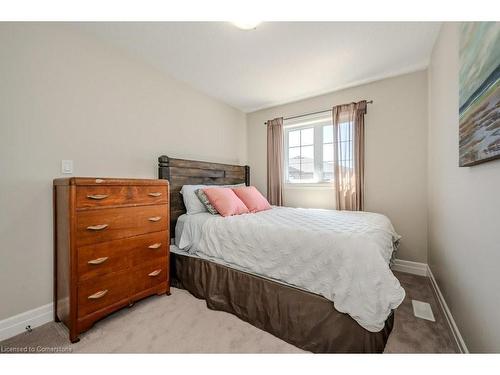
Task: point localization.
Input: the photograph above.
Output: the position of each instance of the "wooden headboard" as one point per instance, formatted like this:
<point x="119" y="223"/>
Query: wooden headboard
<point x="181" y="172"/>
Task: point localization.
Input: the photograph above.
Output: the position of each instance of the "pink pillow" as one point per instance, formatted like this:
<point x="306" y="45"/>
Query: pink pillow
<point x="252" y="198"/>
<point x="225" y="201"/>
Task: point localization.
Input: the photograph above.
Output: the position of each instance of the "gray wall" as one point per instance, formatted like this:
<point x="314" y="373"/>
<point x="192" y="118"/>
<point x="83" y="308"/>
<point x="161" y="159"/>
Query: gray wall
<point x="65" y="95"/>
<point x="464" y="210"/>
<point x="396" y="154"/>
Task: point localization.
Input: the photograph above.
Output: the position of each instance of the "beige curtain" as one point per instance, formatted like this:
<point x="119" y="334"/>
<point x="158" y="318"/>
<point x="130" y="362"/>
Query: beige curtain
<point x="349" y="155"/>
<point x="275" y="161"/>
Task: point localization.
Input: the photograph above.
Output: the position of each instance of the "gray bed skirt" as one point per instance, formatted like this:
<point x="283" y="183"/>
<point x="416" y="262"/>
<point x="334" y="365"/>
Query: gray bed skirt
<point x="300" y="318"/>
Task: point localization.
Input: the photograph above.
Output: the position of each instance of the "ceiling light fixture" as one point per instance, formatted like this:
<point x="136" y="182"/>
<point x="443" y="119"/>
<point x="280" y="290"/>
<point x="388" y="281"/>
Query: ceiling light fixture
<point x="246" y="25"/>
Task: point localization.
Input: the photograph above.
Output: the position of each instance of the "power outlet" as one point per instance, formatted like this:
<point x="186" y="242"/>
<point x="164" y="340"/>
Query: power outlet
<point x="67" y="166"/>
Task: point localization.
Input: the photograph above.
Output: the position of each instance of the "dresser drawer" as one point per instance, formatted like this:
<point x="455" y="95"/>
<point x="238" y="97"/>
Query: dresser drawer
<point x="155" y="247"/>
<point x="112" y="256"/>
<point x="149" y="275"/>
<point x="100" y="292"/>
<point x="104" y="196"/>
<point x="94" y="226"/>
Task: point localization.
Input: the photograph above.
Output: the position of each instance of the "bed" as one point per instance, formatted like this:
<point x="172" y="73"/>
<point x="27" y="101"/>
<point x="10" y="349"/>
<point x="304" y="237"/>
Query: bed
<point x="231" y="264"/>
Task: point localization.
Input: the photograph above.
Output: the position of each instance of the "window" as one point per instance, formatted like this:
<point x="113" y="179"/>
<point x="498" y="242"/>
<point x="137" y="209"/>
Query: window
<point x="327" y="172"/>
<point x="309" y="149"/>
<point x="301" y="154"/>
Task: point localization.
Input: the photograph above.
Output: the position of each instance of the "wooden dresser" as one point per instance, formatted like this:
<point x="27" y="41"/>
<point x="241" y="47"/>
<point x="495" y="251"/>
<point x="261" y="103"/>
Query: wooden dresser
<point x="111" y="239"/>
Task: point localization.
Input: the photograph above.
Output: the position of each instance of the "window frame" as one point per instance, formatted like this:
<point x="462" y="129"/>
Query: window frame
<point x="312" y="121"/>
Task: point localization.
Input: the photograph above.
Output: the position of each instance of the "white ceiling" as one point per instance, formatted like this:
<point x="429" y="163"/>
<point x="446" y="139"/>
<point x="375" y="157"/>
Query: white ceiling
<point x="278" y="62"/>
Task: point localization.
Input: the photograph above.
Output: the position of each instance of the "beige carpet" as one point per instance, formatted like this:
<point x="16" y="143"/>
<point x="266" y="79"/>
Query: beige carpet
<point x="181" y="323"/>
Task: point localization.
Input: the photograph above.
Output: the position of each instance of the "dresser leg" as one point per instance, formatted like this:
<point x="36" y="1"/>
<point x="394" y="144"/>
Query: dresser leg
<point x="166" y="292"/>
<point x="74" y="338"/>
<point x="130" y="304"/>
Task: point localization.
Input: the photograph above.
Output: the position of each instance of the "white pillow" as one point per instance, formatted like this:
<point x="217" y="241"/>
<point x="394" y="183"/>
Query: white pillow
<point x="191" y="200"/>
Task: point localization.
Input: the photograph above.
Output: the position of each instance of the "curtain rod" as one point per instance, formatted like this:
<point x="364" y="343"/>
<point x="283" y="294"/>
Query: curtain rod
<point x="314" y="113"/>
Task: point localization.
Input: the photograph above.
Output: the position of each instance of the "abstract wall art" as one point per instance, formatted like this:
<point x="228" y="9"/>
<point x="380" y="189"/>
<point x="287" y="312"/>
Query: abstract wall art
<point x="479" y="92"/>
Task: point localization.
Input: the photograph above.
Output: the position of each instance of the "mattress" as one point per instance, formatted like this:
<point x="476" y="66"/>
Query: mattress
<point x="341" y="255"/>
<point x="188" y="230"/>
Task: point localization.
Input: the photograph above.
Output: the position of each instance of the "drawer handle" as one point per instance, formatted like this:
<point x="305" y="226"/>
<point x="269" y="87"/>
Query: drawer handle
<point x="98" y="294"/>
<point x="97" y="196"/>
<point x="99" y="180"/>
<point x="155" y="218"/>
<point x="155" y="245"/>
<point x="98" y="227"/>
<point x="155" y="273"/>
<point x="98" y="260"/>
<point x="156" y="194"/>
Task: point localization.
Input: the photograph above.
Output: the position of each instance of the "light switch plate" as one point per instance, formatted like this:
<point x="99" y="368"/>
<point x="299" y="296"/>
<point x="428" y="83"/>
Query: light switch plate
<point x="67" y="166"/>
<point x="422" y="310"/>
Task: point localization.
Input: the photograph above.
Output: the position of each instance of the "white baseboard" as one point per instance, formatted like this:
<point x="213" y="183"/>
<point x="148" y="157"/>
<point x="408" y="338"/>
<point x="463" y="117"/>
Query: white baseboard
<point x="423" y="269"/>
<point x="17" y="324"/>
<point x="415" y="268"/>
<point x="447" y="313"/>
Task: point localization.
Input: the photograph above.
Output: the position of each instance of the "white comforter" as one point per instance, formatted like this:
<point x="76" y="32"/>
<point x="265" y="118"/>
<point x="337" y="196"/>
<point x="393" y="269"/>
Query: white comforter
<point x="341" y="255"/>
